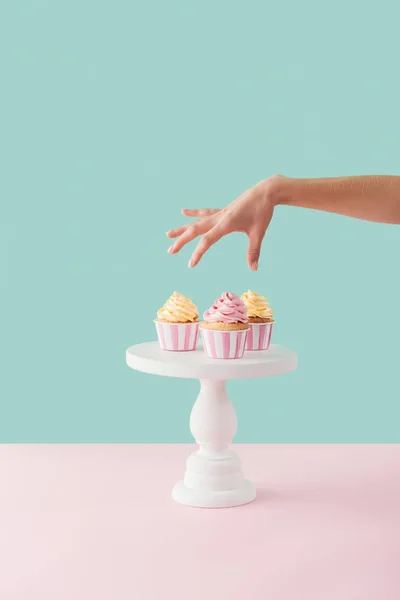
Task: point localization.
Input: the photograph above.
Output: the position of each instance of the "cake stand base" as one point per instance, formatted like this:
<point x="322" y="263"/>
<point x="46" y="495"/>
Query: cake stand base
<point x="214" y="498"/>
<point x="214" y="479"/>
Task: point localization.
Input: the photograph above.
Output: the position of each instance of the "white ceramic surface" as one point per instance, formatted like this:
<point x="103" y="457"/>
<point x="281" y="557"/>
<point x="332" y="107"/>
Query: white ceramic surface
<point x="213" y="476"/>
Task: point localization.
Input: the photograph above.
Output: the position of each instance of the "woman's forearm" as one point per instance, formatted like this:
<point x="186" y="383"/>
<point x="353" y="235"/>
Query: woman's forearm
<point x="370" y="197"/>
<point x="373" y="198"/>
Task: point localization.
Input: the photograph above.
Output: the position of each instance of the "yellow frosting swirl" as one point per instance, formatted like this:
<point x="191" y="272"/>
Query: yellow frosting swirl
<point x="257" y="306"/>
<point x="178" y="309"/>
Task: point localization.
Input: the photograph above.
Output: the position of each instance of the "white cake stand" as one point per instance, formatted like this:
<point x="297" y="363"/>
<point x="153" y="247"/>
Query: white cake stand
<point x="213" y="477"/>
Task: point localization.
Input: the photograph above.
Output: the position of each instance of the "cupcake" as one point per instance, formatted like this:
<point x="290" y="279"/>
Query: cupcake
<point x="224" y="328"/>
<point x="261" y="321"/>
<point x="177" y="324"/>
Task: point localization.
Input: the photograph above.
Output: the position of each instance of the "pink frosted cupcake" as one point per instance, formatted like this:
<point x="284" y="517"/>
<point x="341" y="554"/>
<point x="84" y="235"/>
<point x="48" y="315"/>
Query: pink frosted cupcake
<point x="177" y="324"/>
<point x="261" y="321"/>
<point x="224" y="328"/>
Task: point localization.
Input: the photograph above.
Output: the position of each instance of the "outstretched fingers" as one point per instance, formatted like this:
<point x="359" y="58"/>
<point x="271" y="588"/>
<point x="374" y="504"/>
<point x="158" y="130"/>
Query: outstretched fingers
<point x="173" y="233"/>
<point x="191" y="232"/>
<point x="199" y="212"/>
<point x="210" y="238"/>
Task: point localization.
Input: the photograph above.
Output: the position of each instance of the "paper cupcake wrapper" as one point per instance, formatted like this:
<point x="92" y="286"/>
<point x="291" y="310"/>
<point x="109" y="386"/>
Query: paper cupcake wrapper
<point x="177" y="337"/>
<point x="223" y="344"/>
<point x="259" y="336"/>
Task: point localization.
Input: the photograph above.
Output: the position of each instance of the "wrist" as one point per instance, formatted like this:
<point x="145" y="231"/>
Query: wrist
<point x="279" y="189"/>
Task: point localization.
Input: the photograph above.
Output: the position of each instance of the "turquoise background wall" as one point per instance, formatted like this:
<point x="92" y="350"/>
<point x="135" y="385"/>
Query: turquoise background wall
<point x="116" y="114"/>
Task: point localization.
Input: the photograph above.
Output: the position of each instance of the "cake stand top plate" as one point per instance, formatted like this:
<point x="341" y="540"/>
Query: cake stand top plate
<point x="149" y="358"/>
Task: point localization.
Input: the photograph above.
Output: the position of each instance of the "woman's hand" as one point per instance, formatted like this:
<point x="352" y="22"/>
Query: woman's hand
<point x="369" y="197"/>
<point x="250" y="213"/>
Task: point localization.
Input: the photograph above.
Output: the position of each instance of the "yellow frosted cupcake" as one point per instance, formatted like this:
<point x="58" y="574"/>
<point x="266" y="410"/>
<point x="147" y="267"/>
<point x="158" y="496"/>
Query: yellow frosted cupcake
<point x="260" y="316"/>
<point x="177" y="324"/>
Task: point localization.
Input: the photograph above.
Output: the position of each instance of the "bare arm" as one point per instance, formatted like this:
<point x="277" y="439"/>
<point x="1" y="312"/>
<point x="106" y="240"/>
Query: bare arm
<point x="373" y="198"/>
<point x="370" y="197"/>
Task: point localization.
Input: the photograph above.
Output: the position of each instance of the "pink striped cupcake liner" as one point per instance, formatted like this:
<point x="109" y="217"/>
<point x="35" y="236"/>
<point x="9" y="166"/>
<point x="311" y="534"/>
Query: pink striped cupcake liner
<point x="177" y="337"/>
<point x="223" y="344"/>
<point x="259" y="336"/>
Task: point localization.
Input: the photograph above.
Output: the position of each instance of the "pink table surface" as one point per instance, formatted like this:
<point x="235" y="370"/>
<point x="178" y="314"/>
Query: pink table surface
<point x="98" y="522"/>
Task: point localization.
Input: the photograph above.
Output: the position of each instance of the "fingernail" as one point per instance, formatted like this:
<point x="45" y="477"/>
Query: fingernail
<point x="190" y="263"/>
<point x="170" y="249"/>
<point x="167" y="233"/>
<point x="254" y="266"/>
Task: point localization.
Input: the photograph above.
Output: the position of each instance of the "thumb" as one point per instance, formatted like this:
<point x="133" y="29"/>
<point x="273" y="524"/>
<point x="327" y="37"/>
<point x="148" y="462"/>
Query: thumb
<point x="253" y="251"/>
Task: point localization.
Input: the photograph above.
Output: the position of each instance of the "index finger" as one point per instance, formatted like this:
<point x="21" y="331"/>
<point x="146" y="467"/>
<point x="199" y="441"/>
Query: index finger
<point x="210" y="238"/>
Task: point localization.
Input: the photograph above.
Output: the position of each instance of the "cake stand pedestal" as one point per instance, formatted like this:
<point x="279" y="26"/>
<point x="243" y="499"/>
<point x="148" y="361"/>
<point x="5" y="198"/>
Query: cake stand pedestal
<point x="213" y="477"/>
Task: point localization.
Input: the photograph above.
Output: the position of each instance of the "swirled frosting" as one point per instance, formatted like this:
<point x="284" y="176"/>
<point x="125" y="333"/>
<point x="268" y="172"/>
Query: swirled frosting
<point x="257" y="306"/>
<point x="229" y="308"/>
<point x="178" y="309"/>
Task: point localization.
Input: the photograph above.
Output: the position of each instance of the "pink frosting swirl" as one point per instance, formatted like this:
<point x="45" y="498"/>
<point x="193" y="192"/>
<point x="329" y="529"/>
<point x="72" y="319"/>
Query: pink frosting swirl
<point x="229" y="308"/>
